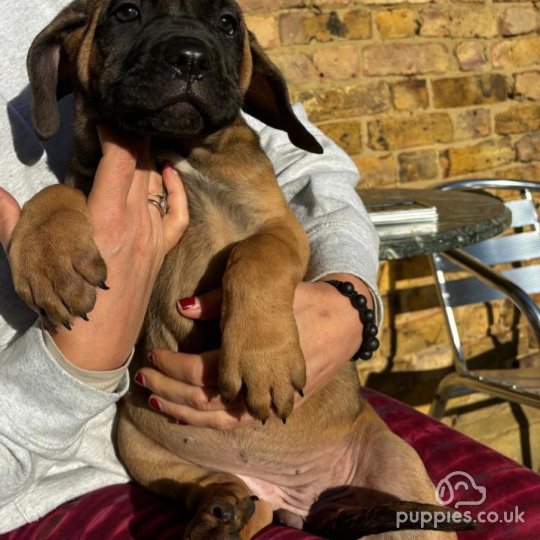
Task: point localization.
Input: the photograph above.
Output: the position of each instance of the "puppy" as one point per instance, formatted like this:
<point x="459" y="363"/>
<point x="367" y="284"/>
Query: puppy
<point x="180" y="71"/>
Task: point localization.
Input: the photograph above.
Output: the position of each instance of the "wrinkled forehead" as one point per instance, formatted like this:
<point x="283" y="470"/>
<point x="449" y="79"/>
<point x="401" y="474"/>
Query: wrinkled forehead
<point x="197" y="9"/>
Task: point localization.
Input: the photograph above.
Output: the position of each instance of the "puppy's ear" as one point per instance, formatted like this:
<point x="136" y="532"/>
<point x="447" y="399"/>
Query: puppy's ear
<point x="267" y="99"/>
<point x="48" y="69"/>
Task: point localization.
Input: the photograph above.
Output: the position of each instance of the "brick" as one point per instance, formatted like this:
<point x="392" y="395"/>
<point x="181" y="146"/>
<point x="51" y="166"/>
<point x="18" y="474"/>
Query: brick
<point x="528" y="147"/>
<point x="338" y="63"/>
<point x="358" y="24"/>
<point x="472" y="124"/>
<point x="518" y="119"/>
<point x="396" y="23"/>
<point x="346" y="133"/>
<point x="265" y="30"/>
<point x="249" y="6"/>
<point x="417" y="166"/>
<point x="458" y="22"/>
<point x="471" y="55"/>
<point x="394" y="2"/>
<point x="334" y="3"/>
<point x="529" y="171"/>
<point x="479" y="157"/>
<point x="410" y="95"/>
<point x="518" y="52"/>
<point x="518" y="20"/>
<point x="467" y="91"/>
<point x="297" y="68"/>
<point x="405" y="132"/>
<point x="405" y="59"/>
<point x="301" y="27"/>
<point x="347" y="101"/>
<point x="377" y="171"/>
<point x="528" y="85"/>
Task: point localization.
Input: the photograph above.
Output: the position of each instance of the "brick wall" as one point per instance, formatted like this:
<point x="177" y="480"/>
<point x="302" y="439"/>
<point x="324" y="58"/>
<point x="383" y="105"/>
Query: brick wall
<point x="416" y="92"/>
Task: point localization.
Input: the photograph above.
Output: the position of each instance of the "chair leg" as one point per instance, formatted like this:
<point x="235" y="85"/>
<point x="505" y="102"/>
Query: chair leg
<point x="443" y="394"/>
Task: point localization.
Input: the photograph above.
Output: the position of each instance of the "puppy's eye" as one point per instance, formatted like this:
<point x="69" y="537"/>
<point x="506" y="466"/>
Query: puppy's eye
<point x="228" y="24"/>
<point x="127" y="13"/>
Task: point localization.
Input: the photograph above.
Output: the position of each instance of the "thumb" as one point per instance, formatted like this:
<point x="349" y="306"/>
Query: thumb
<point x="206" y="306"/>
<point x="9" y="215"/>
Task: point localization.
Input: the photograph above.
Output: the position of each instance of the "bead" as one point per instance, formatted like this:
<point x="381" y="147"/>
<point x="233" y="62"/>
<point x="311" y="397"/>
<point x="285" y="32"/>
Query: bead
<point x="347" y="288"/>
<point x="372" y="344"/>
<point x="371" y="330"/>
<point x="365" y="355"/>
<point x="368" y="316"/>
<point x="369" y="341"/>
<point x="359" y="301"/>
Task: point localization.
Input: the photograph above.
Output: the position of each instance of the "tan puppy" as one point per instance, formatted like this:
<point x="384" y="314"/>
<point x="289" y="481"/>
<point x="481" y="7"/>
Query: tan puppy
<point x="116" y="57"/>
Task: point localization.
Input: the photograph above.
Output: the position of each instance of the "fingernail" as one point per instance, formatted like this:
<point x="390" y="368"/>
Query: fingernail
<point x="180" y="423"/>
<point x="139" y="379"/>
<point x="151" y="357"/>
<point x="188" y="303"/>
<point x="155" y="404"/>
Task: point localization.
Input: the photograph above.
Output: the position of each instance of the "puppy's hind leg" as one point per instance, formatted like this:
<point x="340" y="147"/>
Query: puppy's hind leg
<point x="222" y="505"/>
<point x="394" y="468"/>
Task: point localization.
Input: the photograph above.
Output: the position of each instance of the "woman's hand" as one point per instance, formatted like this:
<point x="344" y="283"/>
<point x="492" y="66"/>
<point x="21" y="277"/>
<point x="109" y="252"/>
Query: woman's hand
<point x="132" y="237"/>
<point x="185" y="385"/>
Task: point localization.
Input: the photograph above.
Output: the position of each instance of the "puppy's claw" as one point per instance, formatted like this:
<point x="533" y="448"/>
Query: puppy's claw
<point x="284" y="419"/>
<point x="263" y="421"/>
<point x="85" y="317"/>
<point x="103" y="285"/>
<point x="300" y="392"/>
<point x="67" y="325"/>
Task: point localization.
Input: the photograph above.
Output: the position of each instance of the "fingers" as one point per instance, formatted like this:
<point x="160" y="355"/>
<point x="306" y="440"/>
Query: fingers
<point x="9" y="215"/>
<point x="176" y="220"/>
<point x="185" y="387"/>
<point x="195" y="369"/>
<point x="206" y="306"/>
<point x="115" y="172"/>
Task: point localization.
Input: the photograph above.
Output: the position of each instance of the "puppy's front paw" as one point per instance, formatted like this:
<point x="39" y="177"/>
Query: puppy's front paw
<point x="56" y="266"/>
<point x="221" y="517"/>
<point x="265" y="362"/>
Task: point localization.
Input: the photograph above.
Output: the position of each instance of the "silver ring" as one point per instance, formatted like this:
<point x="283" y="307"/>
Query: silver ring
<point x="159" y="201"/>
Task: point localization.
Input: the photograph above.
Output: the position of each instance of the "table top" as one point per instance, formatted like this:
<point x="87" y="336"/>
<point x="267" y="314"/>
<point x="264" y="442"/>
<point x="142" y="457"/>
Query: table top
<point x="465" y="218"/>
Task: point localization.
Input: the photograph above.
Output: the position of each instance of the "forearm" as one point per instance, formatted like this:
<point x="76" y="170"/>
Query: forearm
<point x="44" y="412"/>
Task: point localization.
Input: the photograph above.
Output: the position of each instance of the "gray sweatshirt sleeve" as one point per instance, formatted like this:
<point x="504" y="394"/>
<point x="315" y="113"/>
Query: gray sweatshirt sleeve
<point x="321" y="192"/>
<point x="44" y="412"/>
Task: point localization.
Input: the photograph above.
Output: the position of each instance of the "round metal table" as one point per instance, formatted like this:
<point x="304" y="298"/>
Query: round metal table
<point x="464" y="218"/>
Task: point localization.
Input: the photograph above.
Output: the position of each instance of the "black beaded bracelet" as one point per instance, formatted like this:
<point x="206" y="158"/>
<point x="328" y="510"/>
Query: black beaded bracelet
<point x="370" y="343"/>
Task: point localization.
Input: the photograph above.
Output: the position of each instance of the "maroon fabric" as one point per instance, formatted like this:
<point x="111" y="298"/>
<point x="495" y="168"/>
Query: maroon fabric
<point x="444" y="450"/>
<point x="128" y="512"/>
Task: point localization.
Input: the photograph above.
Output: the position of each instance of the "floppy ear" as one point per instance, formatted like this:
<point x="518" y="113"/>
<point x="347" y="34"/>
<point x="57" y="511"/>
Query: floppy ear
<point x="48" y="69"/>
<point x="267" y="99"/>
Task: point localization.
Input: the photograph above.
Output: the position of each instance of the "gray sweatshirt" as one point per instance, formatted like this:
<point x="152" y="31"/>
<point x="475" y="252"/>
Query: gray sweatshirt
<point x="55" y="430"/>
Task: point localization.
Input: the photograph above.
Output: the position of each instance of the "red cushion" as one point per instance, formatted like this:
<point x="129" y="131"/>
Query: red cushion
<point x="126" y="512"/>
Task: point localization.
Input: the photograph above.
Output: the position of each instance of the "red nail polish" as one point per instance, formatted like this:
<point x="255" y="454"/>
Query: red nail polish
<point x="139" y="379"/>
<point x="155" y="404"/>
<point x="187" y="303"/>
<point x="180" y="423"/>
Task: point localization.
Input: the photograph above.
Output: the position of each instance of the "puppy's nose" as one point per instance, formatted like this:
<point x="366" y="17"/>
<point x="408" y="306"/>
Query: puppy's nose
<point x="188" y="56"/>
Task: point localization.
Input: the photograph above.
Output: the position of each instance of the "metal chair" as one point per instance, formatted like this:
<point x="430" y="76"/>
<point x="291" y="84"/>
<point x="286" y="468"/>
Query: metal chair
<point x="520" y="384"/>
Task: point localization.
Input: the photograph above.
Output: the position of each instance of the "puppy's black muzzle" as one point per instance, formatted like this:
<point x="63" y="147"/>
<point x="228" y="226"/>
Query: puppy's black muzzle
<point x="175" y="79"/>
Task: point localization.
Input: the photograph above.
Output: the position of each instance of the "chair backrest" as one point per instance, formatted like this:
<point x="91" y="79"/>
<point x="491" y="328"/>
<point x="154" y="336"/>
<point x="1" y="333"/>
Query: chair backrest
<point x="520" y="244"/>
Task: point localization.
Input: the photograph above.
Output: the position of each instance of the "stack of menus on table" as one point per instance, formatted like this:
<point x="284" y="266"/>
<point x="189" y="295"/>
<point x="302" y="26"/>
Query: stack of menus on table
<point x="402" y="218"/>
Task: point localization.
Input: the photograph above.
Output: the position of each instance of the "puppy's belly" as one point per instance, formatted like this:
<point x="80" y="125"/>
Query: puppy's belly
<point x="286" y="476"/>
